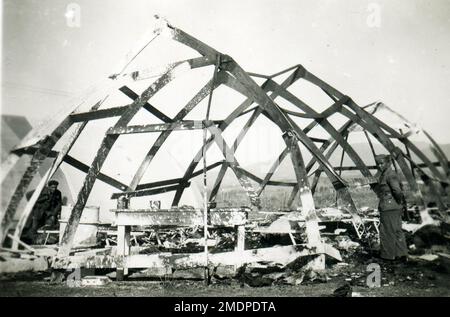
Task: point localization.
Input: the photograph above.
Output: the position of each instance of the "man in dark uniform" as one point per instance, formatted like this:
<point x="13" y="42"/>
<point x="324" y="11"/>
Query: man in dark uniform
<point x="391" y="205"/>
<point x="45" y="211"/>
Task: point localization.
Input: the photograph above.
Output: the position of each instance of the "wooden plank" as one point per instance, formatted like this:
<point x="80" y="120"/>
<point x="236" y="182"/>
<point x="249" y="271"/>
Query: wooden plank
<point x="101" y="177"/>
<point x="26" y="246"/>
<point x="237" y="113"/>
<point x="98" y="114"/>
<point x="297" y="68"/>
<point x="344" y="130"/>
<point x="240" y="238"/>
<point x="236" y="143"/>
<point x="204" y="91"/>
<point x="81" y="167"/>
<point x="218" y="182"/>
<point x="370" y="125"/>
<point x="145" y="217"/>
<point x="234" y="165"/>
<point x="122" y="249"/>
<point x="159" y="183"/>
<point x="308" y="206"/>
<point x="147" y="192"/>
<point x="39" y="156"/>
<point x="153" y="72"/>
<point x="411" y="146"/>
<point x="292" y="196"/>
<point x="188" y="40"/>
<point x="175" y="180"/>
<point x="178" y="125"/>
<point x="281" y="120"/>
<point x="132" y="95"/>
<point x="286" y="124"/>
<point x="209" y="167"/>
<point x="187" y="175"/>
<point x="28" y="209"/>
<point x="280" y="255"/>
<point x="301" y="115"/>
<point x="102" y="154"/>
<point x="326" y="124"/>
<point x="438" y="151"/>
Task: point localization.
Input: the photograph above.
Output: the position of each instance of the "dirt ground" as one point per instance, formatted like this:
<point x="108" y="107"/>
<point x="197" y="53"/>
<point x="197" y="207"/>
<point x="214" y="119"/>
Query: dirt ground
<point x="421" y="279"/>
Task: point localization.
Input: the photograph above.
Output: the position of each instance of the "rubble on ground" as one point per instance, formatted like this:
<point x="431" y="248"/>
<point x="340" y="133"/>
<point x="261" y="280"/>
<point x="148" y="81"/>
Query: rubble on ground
<point x="428" y="246"/>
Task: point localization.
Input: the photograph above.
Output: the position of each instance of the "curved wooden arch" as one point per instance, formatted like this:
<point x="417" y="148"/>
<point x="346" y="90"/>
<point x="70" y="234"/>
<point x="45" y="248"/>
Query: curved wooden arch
<point x="233" y="76"/>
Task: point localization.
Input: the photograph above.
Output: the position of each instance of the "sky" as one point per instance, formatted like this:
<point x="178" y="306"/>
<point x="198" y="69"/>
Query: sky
<point x="393" y="51"/>
<point x="402" y="60"/>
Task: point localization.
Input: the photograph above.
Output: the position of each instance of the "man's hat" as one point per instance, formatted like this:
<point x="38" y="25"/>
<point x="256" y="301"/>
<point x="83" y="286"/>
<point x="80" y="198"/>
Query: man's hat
<point x="53" y="182"/>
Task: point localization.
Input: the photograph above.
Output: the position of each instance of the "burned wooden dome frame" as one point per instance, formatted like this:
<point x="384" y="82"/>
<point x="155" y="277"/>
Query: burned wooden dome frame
<point x="229" y="73"/>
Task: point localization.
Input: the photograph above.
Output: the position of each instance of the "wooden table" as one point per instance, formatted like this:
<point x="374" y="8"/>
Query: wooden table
<point x="125" y="218"/>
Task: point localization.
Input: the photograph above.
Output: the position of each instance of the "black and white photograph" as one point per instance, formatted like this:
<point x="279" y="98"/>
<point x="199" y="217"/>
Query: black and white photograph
<point x="225" y="154"/>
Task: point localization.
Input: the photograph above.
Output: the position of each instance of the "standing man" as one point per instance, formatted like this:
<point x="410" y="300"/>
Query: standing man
<point x="391" y="205"/>
<point x="45" y="211"/>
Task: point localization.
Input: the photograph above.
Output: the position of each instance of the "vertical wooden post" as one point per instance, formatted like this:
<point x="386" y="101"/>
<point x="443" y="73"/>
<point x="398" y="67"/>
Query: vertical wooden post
<point x="123" y="241"/>
<point x="240" y="238"/>
<point x="120" y="251"/>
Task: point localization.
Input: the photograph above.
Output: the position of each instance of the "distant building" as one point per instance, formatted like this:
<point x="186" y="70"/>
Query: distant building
<point x="13" y="129"/>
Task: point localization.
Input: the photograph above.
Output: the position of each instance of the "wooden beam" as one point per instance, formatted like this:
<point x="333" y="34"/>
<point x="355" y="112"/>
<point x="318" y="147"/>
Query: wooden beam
<point x="79" y="166"/>
<point x="178" y="218"/>
<point x="79" y="127"/>
<point x="204" y="91"/>
<point x="178" y="125"/>
<point x="218" y="182"/>
<point x="292" y="196"/>
<point x="44" y="148"/>
<point x="209" y="167"/>
<point x="281" y="255"/>
<point x="371" y="126"/>
<point x="132" y="95"/>
<point x="257" y="111"/>
<point x="343" y="130"/>
<point x="236" y="112"/>
<point x="102" y="154"/>
<point x="326" y="125"/>
<point x="159" y="183"/>
<point x="287" y="125"/>
<point x="101" y="177"/>
<point x="190" y="41"/>
<point x="98" y="114"/>
<point x="147" y="192"/>
<point x="280" y="118"/>
<point x="234" y="165"/>
<point x="308" y="206"/>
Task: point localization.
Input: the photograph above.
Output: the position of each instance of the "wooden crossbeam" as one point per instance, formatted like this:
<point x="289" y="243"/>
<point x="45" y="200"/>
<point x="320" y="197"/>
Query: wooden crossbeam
<point x="201" y="94"/>
<point x="100" y="158"/>
<point x="131" y="94"/>
<point x="257" y="111"/>
<point x="369" y="123"/>
<point x="179" y="218"/>
<point x="79" y="166"/>
<point x="282" y="255"/>
<point x="148" y="128"/>
<point x="98" y="114"/>
<point x="60" y="157"/>
<point x="148" y="192"/>
<point x="326" y="124"/>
